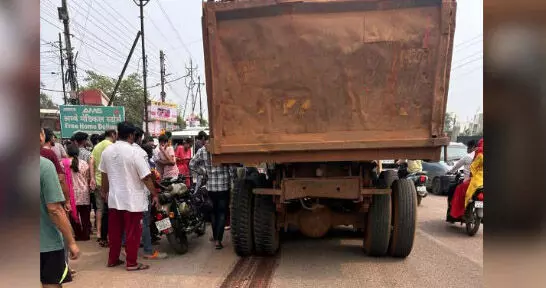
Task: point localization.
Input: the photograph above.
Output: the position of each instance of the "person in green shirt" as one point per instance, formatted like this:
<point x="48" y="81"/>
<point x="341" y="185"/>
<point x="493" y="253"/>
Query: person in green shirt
<point x="101" y="215"/>
<point x="54" y="225"/>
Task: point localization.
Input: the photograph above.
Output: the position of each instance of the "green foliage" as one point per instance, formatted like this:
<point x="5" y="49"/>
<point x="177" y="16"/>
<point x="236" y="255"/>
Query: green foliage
<point x="46" y="102"/>
<point x="203" y="122"/>
<point x="130" y="93"/>
<point x="180" y="122"/>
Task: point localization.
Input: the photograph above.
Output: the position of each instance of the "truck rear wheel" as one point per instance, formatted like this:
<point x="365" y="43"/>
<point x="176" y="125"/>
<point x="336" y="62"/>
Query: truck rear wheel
<point x="404" y="210"/>
<point x="378" y="228"/>
<point x="266" y="235"/>
<point x="390" y="176"/>
<point x="241" y="218"/>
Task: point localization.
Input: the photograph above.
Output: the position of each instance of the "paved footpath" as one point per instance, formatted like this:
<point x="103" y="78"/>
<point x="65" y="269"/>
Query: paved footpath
<point x="443" y="256"/>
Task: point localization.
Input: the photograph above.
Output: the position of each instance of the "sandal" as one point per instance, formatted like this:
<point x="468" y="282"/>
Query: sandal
<point x="155" y="255"/>
<point x="119" y="262"/>
<point x="103" y="243"/>
<point x="219" y="246"/>
<point x="138" y="267"/>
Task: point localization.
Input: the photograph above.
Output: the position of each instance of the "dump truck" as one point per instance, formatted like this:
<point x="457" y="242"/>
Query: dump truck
<point x="316" y="91"/>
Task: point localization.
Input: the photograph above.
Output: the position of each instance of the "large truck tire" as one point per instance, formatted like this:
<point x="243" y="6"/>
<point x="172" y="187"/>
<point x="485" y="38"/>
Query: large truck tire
<point x="390" y="177"/>
<point x="378" y="228"/>
<point x="266" y="235"/>
<point x="387" y="178"/>
<point x="404" y="220"/>
<point x="241" y="218"/>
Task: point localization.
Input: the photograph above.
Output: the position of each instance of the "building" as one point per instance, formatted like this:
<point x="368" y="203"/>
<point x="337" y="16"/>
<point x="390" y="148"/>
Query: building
<point x="93" y="97"/>
<point x="49" y="118"/>
<point x="476" y="126"/>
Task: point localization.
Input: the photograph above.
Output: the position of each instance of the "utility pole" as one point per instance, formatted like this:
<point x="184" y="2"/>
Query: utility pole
<point x="62" y="68"/>
<point x="199" y="84"/>
<point x="200" y="97"/>
<point x="63" y="15"/>
<point x="162" y="72"/>
<point x="141" y="4"/>
<point x="190" y="86"/>
<point x="110" y="101"/>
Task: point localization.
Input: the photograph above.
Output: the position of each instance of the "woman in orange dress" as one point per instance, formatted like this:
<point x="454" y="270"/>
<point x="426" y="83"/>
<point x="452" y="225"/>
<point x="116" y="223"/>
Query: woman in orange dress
<point x="183" y="157"/>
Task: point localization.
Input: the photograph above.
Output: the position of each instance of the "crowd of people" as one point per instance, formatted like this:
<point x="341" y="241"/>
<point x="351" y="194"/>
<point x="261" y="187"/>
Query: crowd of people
<point x="114" y="176"/>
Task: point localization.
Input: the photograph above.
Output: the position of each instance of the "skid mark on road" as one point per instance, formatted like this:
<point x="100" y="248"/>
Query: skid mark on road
<point x="251" y="272"/>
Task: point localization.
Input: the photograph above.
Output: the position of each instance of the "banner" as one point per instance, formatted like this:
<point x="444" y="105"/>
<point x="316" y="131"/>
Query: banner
<point x="89" y="119"/>
<point x="162" y="111"/>
<point x="193" y="121"/>
<point x="155" y="127"/>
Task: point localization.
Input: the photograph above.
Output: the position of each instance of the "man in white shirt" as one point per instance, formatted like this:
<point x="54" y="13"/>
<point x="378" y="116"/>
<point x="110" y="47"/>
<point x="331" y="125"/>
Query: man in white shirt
<point x="126" y="178"/>
<point x="466" y="160"/>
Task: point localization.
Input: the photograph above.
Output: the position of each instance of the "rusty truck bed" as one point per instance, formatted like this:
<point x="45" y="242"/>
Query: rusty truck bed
<point x="300" y="81"/>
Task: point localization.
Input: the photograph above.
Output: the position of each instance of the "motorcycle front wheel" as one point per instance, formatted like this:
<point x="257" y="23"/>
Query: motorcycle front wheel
<point x="472" y="220"/>
<point x="178" y="242"/>
<point x="201" y="229"/>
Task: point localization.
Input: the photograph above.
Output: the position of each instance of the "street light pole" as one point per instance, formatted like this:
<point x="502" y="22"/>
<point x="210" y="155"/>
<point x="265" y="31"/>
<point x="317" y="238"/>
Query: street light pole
<point x="141" y="4"/>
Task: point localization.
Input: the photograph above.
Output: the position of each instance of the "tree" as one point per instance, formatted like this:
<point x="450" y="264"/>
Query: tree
<point x="180" y="122"/>
<point x="46" y="102"/>
<point x="129" y="94"/>
<point x="203" y="122"/>
<point x="449" y="122"/>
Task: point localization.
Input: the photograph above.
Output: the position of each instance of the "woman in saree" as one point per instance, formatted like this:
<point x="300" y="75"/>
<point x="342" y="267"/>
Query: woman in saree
<point x="463" y="192"/>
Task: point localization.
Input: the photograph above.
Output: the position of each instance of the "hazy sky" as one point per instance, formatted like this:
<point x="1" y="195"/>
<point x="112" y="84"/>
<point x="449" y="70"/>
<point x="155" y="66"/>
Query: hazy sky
<point x="104" y="32"/>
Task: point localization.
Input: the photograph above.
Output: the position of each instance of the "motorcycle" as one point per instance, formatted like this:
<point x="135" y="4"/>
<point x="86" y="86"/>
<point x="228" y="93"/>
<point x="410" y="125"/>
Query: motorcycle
<point x="182" y="211"/>
<point x="473" y="216"/>
<point x="419" y="179"/>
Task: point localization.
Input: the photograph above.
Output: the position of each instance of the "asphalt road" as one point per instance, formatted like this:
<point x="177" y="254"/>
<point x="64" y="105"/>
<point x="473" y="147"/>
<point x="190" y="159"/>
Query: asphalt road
<point x="443" y="256"/>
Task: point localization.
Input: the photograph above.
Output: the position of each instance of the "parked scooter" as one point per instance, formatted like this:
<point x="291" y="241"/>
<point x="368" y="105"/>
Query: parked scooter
<point x="182" y="211"/>
<point x="473" y="216"/>
<point x="418" y="178"/>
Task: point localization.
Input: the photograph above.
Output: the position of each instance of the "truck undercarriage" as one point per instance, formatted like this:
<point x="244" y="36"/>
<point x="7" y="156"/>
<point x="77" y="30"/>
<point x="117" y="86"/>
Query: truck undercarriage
<point x="315" y="197"/>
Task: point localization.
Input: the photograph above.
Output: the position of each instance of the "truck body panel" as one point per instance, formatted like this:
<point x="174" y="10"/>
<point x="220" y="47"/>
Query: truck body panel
<point x="308" y="81"/>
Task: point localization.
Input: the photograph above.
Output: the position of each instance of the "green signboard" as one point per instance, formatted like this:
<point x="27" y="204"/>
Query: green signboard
<point x="89" y="119"/>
